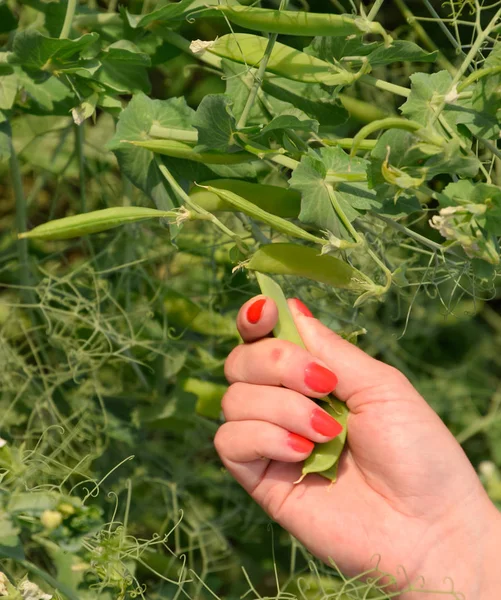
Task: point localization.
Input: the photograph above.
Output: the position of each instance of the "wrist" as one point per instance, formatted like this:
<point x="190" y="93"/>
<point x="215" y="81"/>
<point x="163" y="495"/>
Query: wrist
<point x="463" y="557"/>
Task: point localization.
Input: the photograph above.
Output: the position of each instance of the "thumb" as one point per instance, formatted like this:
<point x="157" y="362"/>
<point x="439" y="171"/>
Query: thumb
<point x="357" y="371"/>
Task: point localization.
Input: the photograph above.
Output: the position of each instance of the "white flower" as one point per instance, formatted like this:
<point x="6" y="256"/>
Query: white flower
<point x="31" y="591"/>
<point x="199" y="46"/>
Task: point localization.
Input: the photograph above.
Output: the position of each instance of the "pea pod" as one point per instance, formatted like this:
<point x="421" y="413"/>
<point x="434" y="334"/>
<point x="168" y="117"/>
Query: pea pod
<point x="300" y="23"/>
<point x="282" y="202"/>
<point x="93" y="222"/>
<point x="277" y="223"/>
<point x="325" y="457"/>
<point x="285" y="61"/>
<point x="303" y="261"/>
<point x="178" y="149"/>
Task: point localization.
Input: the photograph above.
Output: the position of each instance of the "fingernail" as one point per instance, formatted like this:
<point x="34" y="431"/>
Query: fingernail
<point x="302" y="308"/>
<point x="254" y="311"/>
<point x="325" y="424"/>
<point x="319" y="379"/>
<point x="299" y="443"/>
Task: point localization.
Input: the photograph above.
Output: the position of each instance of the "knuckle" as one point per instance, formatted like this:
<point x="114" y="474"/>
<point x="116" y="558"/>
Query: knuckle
<point x="221" y="438"/>
<point x="231" y="362"/>
<point x="394" y="376"/>
<point x="232" y="398"/>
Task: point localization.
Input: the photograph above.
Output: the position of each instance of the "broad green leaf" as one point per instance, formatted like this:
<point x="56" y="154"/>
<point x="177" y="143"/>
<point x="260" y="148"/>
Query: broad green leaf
<point x="294" y="119"/>
<point x="312" y="99"/>
<point x="8" y="90"/>
<point x="427" y="93"/>
<point x="134" y="124"/>
<point x="123" y="68"/>
<point x="49" y="95"/>
<point x="35" y="51"/>
<point x="316" y="205"/>
<point x="5" y="145"/>
<point x="8" y="531"/>
<point x="215" y="124"/>
<point x="336" y="48"/>
<point x="170" y="12"/>
<point x="7" y="20"/>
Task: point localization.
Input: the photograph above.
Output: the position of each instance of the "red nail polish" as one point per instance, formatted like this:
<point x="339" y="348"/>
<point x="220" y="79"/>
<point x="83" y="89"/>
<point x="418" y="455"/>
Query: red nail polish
<point x="319" y="379"/>
<point x="325" y="424"/>
<point x="302" y="308"/>
<point x="254" y="311"/>
<point x="299" y="443"/>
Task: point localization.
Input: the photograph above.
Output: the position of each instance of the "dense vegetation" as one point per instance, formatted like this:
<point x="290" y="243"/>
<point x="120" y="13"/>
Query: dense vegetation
<point x="383" y="143"/>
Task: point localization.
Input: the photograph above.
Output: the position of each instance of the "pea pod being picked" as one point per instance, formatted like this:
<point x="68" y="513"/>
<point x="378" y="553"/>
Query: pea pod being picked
<point x="324" y="458"/>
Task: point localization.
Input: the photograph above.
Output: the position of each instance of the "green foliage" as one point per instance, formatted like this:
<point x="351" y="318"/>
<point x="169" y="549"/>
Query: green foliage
<point x="112" y="345"/>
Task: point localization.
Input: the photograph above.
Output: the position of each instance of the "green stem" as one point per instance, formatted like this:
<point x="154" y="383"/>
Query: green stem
<point x="258" y="80"/>
<point x="68" y="19"/>
<point x="21" y="214"/>
<point x="393" y="88"/>
<point x="204" y="214"/>
<point x="468" y="59"/>
<point x="79" y="145"/>
<point x="180" y="135"/>
<point x="414" y="235"/>
<point x="374" y="10"/>
<point x="438" y="19"/>
<point x="183" y="44"/>
<point x="424" y="37"/>
<point x="347" y="143"/>
<point x="61" y="587"/>
<point x="475" y="76"/>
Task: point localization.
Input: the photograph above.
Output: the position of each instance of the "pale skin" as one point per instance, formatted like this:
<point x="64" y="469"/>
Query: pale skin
<point x="406" y="492"/>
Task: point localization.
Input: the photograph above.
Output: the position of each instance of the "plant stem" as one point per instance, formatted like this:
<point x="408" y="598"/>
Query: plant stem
<point x="425" y="38"/>
<point x="180" y="135"/>
<point x="258" y="80"/>
<point x="363" y="111"/>
<point x="21" y="215"/>
<point x="63" y="588"/>
<point x="393" y="88"/>
<point x="468" y="59"/>
<point x="374" y="10"/>
<point x="178" y="190"/>
<point x="68" y="19"/>
<point x="79" y="145"/>
<point x="347" y="143"/>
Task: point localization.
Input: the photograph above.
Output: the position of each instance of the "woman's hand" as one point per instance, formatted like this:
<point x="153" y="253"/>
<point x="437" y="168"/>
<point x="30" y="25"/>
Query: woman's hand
<point x="406" y="491"/>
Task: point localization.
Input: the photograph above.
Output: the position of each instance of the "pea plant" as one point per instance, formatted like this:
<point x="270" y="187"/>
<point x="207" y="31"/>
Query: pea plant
<point x="335" y="148"/>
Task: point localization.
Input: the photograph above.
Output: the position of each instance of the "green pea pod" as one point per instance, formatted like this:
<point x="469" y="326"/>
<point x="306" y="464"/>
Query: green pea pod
<point x="303" y="261"/>
<point x="325" y="457"/>
<point x="93" y="222"/>
<point x="285" y="61"/>
<point x="299" y="23"/>
<point x="279" y="201"/>
<point x="277" y="223"/>
<point x="178" y="149"/>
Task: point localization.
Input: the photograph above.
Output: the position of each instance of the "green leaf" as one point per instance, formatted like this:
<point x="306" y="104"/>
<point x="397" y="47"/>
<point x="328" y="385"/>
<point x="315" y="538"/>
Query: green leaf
<point x="292" y="118"/>
<point x="427" y="93"/>
<point x="35" y="51"/>
<point x="8" y="91"/>
<point x="312" y="99"/>
<point x="170" y="12"/>
<point x="123" y="68"/>
<point x="334" y="49"/>
<point x="215" y="124"/>
<point x="49" y="95"/>
<point x="134" y="124"/>
<point x="316" y="205"/>
<point x="7" y="20"/>
<point x="8" y="531"/>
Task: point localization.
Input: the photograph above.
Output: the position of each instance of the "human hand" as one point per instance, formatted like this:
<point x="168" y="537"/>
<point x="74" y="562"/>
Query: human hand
<point x="406" y="491"/>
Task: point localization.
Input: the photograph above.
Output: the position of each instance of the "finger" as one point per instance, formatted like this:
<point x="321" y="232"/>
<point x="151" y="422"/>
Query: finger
<point x="247" y="447"/>
<point x="280" y="406"/>
<point x="280" y="363"/>
<point x="356" y="370"/>
<point x="256" y="318"/>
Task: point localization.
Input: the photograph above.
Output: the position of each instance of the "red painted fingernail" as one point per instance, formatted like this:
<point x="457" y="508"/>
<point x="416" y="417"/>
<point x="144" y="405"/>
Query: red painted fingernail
<point x="319" y="379"/>
<point x="299" y="443"/>
<point x="325" y="424"/>
<point x="302" y="308"/>
<point x="254" y="311"/>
